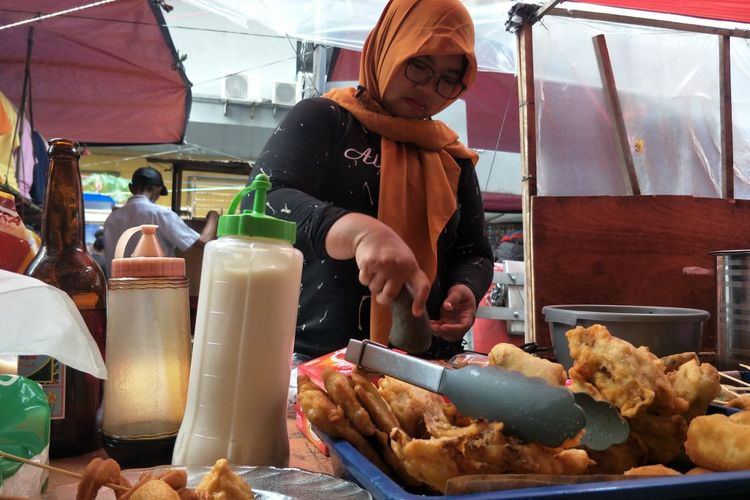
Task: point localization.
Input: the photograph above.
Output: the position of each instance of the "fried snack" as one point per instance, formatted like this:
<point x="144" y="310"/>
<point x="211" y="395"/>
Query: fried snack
<point x="741" y="402"/>
<point x="379" y="411"/>
<point x="98" y="472"/>
<point x="663" y="435"/>
<point x="652" y="470"/>
<point x="674" y="361"/>
<point x="696" y="383"/>
<point x="528" y="458"/>
<point x="510" y="357"/>
<point x="631" y="379"/>
<point x="577" y="385"/>
<point x="489" y="445"/>
<point x="720" y="443"/>
<point x="698" y="470"/>
<point x="154" y="489"/>
<point x="479" y="448"/>
<point x="340" y="391"/>
<point x="431" y="462"/>
<point x="330" y="418"/>
<point x="175" y="479"/>
<point x="741" y="417"/>
<point x="619" y="457"/>
<point x="383" y="444"/>
<point x="410" y="403"/>
<point x="221" y="483"/>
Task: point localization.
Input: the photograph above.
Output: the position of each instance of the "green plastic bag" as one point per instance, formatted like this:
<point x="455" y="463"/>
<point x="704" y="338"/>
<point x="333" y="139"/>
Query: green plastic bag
<point x="24" y="432"/>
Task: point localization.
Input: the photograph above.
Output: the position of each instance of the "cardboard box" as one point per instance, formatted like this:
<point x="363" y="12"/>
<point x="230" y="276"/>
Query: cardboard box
<point x="314" y="369"/>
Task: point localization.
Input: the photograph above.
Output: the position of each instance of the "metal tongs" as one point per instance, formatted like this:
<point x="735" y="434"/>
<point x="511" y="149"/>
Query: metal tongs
<point x="529" y="408"/>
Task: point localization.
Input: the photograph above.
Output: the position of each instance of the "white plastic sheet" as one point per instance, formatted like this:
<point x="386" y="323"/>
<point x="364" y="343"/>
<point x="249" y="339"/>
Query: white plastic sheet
<point x="667" y="82"/>
<point x="346" y="23"/>
<point x="38" y="319"/>
<point x="668" y="86"/>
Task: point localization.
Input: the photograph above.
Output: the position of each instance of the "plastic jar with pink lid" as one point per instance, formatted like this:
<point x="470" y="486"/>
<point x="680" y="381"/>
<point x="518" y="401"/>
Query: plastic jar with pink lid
<point x="148" y="352"/>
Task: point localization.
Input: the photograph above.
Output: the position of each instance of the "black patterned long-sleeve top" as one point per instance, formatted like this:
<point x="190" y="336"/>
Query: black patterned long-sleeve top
<point x="323" y="164"/>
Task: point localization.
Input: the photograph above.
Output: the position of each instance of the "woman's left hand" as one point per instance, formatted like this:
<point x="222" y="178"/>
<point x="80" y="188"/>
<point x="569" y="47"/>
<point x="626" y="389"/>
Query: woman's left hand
<point x="456" y="314"/>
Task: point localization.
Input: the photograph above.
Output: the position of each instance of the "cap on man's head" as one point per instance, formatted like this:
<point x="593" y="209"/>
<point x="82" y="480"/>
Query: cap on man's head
<point x="147" y="176"/>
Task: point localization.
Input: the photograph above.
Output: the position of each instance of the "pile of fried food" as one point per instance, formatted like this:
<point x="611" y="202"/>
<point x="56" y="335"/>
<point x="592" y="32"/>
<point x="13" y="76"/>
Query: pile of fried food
<point x="220" y="483"/>
<point x="420" y="440"/>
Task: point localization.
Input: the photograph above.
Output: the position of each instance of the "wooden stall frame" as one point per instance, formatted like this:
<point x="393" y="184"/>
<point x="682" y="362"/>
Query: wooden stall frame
<point x="527" y="109"/>
<point x="524" y="36"/>
<point x="615" y="111"/>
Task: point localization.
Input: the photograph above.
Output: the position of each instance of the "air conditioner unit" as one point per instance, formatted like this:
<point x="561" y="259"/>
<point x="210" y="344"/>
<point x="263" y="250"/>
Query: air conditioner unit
<point x="285" y="93"/>
<point x="241" y="87"/>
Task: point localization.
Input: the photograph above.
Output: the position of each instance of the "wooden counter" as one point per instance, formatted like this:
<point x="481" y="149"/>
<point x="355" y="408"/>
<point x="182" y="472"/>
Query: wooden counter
<point x="302" y="455"/>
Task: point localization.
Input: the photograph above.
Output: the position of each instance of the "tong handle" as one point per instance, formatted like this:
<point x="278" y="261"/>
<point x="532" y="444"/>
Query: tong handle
<point x="374" y="356"/>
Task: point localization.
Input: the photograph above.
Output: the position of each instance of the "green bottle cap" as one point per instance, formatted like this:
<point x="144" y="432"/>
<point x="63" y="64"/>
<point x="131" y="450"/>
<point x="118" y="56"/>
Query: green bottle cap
<point x="255" y="222"/>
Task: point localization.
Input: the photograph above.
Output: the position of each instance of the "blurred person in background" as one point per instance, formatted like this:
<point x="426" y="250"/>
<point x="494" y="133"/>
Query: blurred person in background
<point x="147" y="186"/>
<point x="383" y="195"/>
<point x="97" y="250"/>
<point x="510" y="247"/>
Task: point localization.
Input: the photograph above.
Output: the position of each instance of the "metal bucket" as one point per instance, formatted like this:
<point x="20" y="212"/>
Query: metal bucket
<point x="733" y="308"/>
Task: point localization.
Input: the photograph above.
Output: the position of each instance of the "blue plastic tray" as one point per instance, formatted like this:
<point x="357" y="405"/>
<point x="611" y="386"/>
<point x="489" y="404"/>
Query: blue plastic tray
<point x="719" y="485"/>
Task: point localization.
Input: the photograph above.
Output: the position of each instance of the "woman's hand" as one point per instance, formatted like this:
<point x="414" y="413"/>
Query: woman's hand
<point x="385" y="262"/>
<point x="457" y="314"/>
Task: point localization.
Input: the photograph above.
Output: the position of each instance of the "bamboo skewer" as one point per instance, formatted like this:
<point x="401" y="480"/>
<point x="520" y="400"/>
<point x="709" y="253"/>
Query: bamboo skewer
<point x="51" y="468"/>
<point x="734" y="379"/>
<point x="746" y="367"/>
<point x="731" y="392"/>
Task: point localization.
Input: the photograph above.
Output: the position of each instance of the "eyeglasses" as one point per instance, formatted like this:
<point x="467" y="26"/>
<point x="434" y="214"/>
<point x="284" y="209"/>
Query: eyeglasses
<point x="420" y="73"/>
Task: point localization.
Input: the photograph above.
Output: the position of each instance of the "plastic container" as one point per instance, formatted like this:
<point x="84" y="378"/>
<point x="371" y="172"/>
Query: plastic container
<point x="714" y="485"/>
<point x="148" y="352"/>
<point x="733" y="308"/>
<point x="24" y="432"/>
<point x="18" y="245"/>
<point x="665" y="330"/>
<point x="244" y="337"/>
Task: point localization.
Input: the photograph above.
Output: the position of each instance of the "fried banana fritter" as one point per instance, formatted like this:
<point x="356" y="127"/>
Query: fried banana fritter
<point x="330" y="418"/>
<point x="510" y="357"/>
<point x="368" y="395"/>
<point x="631" y="379"/>
<point x="342" y="393"/>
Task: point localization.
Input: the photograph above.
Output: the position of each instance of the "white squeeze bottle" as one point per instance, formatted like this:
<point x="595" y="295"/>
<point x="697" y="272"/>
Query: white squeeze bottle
<point x="244" y="337"/>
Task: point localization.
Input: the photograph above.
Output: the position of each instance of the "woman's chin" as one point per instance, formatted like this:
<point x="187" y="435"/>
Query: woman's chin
<point x="413" y="114"/>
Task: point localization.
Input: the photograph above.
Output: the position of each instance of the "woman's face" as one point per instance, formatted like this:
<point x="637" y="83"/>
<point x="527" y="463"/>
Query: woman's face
<point x="413" y="90"/>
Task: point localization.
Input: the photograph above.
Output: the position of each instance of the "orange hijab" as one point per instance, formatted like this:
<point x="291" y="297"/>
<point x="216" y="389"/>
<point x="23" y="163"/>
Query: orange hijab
<point x="418" y="175"/>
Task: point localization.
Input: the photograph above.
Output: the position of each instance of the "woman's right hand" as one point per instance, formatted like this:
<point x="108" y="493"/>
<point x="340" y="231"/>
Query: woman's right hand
<point x="385" y="261"/>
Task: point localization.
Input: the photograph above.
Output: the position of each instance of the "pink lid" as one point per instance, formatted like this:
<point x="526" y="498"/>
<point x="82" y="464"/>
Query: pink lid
<point x="148" y="259"/>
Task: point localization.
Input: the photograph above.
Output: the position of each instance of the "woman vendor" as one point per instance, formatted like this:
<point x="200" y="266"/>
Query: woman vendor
<point x="383" y="195"/>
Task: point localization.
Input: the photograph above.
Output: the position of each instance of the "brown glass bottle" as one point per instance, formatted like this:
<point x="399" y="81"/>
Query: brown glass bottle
<point x="64" y="262"/>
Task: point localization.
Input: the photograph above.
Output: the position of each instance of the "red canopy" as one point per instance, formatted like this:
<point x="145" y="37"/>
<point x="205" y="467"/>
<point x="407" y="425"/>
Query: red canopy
<point x="103" y="75"/>
<point x="723" y="10"/>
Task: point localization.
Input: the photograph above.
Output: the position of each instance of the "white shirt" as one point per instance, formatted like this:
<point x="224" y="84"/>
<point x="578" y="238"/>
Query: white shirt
<point x="172" y="232"/>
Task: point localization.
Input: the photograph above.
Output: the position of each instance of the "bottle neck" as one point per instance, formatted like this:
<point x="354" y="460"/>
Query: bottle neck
<point x="62" y="220"/>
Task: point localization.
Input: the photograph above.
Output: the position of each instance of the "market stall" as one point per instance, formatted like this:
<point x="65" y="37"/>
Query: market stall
<point x="632" y="153"/>
<point x="631" y="178"/>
